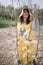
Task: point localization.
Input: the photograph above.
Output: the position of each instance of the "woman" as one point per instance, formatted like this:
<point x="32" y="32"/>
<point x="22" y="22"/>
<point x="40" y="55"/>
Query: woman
<point x="25" y="41"/>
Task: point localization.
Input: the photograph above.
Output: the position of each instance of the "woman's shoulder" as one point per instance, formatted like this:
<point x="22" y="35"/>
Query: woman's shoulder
<point x="18" y="23"/>
<point x="30" y="23"/>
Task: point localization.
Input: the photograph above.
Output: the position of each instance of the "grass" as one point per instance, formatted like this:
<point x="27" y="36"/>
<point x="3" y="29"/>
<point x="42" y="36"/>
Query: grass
<point x="7" y="23"/>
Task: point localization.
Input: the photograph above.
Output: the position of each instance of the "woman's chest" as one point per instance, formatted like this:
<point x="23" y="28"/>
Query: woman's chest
<point x="24" y="27"/>
<point x="24" y="30"/>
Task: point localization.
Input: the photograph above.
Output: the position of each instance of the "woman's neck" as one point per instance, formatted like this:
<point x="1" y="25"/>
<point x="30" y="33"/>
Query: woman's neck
<point x="24" y="20"/>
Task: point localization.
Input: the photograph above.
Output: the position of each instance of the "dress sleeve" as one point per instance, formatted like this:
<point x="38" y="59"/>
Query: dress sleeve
<point x="18" y="31"/>
<point x="31" y="34"/>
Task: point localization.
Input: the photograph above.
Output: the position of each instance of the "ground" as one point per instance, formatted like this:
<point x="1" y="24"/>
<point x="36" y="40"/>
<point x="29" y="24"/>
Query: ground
<point x="8" y="46"/>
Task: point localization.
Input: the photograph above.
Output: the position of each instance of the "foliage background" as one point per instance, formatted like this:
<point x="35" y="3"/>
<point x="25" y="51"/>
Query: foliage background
<point x="9" y="16"/>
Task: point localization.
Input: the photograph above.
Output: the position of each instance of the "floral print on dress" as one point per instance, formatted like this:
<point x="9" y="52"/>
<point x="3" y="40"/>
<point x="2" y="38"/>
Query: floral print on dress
<point x="24" y="32"/>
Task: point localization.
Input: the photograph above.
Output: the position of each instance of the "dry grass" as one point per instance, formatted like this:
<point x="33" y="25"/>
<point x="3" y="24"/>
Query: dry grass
<point x="8" y="46"/>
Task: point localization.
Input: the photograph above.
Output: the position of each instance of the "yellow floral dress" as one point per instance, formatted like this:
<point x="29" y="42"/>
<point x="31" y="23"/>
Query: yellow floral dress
<point x="26" y="45"/>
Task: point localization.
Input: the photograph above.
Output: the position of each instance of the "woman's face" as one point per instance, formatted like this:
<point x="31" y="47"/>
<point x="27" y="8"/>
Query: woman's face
<point x="25" y="15"/>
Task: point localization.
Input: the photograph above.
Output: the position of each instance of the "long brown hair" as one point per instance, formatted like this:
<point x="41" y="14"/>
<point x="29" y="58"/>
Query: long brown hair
<point x="28" y="19"/>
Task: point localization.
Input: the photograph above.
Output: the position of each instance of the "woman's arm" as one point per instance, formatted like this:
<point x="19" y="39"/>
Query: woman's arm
<point x="31" y="34"/>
